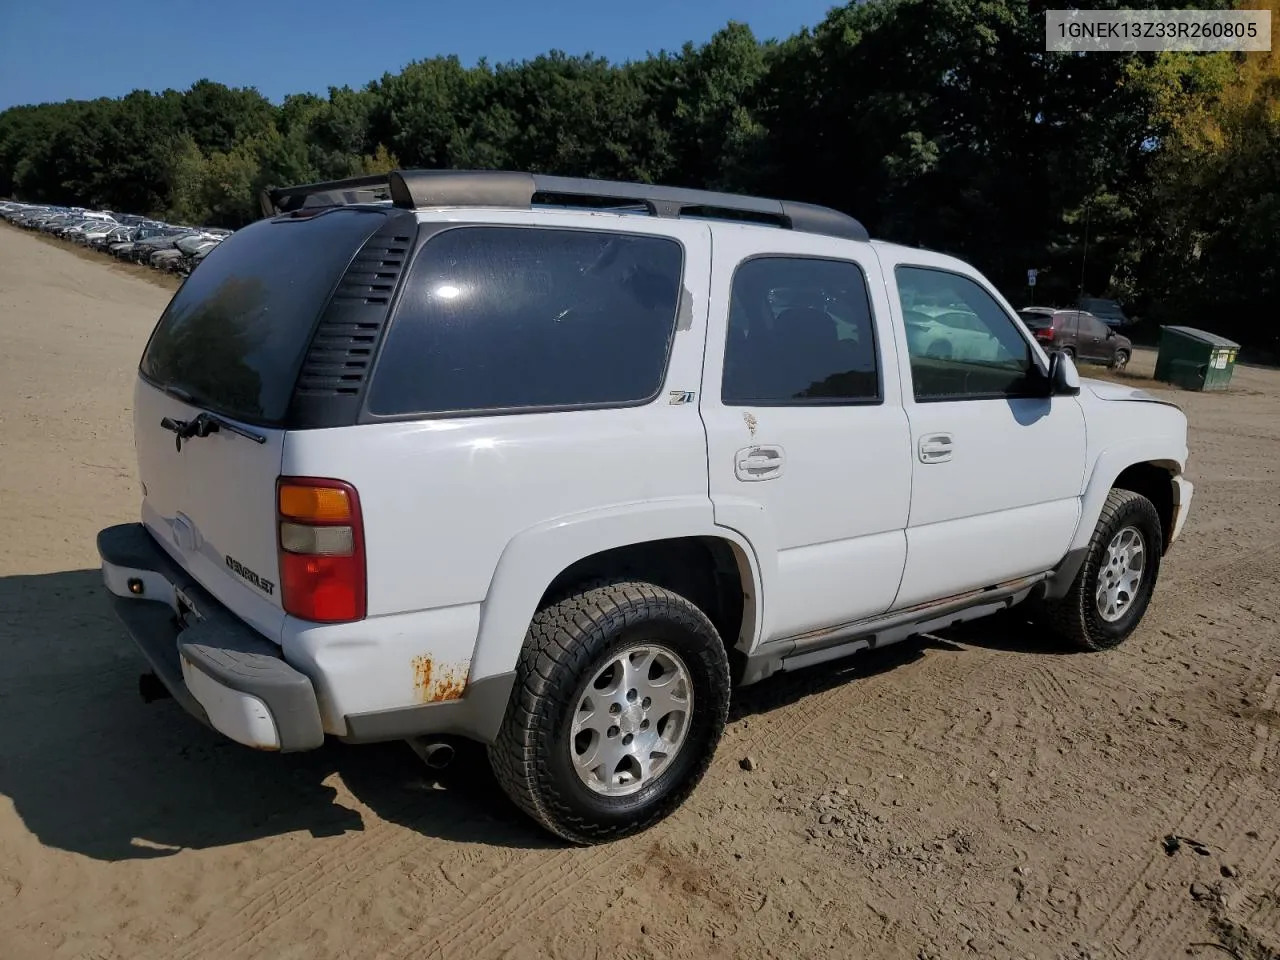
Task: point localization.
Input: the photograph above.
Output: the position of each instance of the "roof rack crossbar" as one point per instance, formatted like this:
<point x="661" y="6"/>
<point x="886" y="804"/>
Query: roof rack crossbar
<point x="413" y="189"/>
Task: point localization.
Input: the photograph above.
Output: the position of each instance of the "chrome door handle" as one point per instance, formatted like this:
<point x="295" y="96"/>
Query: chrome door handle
<point x="935" y="448"/>
<point x="761" y="462"/>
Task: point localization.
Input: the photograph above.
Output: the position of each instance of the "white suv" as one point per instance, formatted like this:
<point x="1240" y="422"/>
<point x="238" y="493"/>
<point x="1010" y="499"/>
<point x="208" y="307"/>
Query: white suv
<point x="553" y="464"/>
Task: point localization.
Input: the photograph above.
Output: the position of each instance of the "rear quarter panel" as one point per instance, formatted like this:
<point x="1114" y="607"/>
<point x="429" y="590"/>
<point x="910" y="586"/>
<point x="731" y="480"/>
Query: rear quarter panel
<point x="444" y="498"/>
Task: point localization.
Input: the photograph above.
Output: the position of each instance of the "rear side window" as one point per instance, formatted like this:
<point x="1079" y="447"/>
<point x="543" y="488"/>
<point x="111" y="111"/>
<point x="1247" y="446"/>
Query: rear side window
<point x="518" y="318"/>
<point x="233" y="337"/>
<point x="800" y="333"/>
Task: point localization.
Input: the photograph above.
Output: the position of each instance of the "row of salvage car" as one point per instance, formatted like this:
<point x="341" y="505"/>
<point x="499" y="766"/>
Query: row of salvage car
<point x="164" y="246"/>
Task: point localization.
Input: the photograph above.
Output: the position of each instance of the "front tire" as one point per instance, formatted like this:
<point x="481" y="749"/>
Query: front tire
<point x="1113" y="587"/>
<point x="620" y="698"/>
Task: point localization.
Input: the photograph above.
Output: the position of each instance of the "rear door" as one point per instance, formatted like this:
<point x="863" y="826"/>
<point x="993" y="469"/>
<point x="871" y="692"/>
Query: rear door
<point x="1094" y="344"/>
<point x="808" y="444"/>
<point x="230" y="345"/>
<point x="1067" y="324"/>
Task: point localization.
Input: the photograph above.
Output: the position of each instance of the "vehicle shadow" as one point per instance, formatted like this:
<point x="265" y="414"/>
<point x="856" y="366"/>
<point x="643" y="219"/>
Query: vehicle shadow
<point x="90" y="768"/>
<point x="784" y="689"/>
<point x="93" y="769"/>
<point x="1013" y="631"/>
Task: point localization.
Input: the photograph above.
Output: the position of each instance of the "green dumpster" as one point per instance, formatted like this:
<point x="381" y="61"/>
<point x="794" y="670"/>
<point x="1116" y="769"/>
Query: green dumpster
<point x="1195" y="359"/>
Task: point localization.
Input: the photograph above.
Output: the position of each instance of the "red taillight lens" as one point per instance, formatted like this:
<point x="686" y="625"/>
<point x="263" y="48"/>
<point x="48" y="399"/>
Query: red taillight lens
<point x="327" y="589"/>
<point x="320" y="537"/>
<point x="1045" y="334"/>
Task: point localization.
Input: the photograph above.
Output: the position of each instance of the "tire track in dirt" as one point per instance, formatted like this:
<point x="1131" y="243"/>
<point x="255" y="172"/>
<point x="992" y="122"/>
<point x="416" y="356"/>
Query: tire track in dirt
<point x="1124" y="918"/>
<point x="835" y="708"/>
<point x="282" y="894"/>
<point x="512" y="896"/>
<point x="1220" y="804"/>
<point x="1265" y="916"/>
<point x="1188" y="923"/>
<point x="1047" y="692"/>
<point x="850" y="704"/>
<point x="277" y="897"/>
<point x="1264" y="730"/>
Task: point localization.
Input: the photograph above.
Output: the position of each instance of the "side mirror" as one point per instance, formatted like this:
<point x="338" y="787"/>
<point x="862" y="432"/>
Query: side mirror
<point x="1064" y="379"/>
<point x="1111" y="334"/>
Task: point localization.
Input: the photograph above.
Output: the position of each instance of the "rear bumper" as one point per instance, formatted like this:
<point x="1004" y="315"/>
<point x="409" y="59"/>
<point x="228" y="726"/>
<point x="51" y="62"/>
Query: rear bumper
<point x="218" y="668"/>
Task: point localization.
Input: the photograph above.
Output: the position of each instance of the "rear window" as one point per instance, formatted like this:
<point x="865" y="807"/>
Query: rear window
<point x="520" y="318"/>
<point x="234" y="335"/>
<point x="1036" y="321"/>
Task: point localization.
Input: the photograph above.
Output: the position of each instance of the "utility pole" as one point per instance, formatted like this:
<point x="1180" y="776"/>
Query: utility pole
<point x="1084" y="254"/>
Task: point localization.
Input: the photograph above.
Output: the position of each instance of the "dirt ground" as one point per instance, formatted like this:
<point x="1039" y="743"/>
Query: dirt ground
<point x="978" y="794"/>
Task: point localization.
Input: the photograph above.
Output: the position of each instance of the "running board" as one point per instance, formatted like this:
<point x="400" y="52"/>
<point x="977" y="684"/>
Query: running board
<point x="841" y="640"/>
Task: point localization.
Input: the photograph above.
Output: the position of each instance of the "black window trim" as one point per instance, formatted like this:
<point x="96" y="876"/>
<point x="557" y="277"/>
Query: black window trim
<point x="428" y="230"/>
<point x="285" y="422"/>
<point x="877" y="400"/>
<point x="1017" y="326"/>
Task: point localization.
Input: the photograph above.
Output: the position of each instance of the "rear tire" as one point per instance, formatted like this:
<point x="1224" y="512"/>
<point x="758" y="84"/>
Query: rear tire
<point x="1120" y="360"/>
<point x="565" y="682"/>
<point x="1113" y="587"/>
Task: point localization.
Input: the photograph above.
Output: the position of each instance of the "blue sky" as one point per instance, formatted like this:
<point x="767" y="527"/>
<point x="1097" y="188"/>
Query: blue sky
<point x="79" y="49"/>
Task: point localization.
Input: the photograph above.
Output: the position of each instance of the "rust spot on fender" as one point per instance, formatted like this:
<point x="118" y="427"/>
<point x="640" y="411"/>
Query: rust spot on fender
<point x="436" y="681"/>
<point x="750" y="420"/>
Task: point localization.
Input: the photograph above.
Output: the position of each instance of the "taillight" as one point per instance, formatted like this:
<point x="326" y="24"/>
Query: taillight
<point x="1045" y="333"/>
<point x="320" y="536"/>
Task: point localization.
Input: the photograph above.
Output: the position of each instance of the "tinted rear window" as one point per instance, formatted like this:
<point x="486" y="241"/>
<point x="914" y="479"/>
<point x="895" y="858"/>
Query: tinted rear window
<point x="508" y="318"/>
<point x="234" y="335"/>
<point x="1036" y="321"/>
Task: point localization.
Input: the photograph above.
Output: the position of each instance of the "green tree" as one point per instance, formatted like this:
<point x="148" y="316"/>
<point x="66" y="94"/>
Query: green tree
<point x="941" y="123"/>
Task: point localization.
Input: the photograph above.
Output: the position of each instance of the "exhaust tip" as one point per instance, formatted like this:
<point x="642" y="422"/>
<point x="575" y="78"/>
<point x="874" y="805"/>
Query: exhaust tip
<point x="436" y="754"/>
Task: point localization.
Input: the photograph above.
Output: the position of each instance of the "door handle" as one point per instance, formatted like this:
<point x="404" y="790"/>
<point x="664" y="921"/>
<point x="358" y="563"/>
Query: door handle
<point x="935" y="448"/>
<point x="760" y="462"/>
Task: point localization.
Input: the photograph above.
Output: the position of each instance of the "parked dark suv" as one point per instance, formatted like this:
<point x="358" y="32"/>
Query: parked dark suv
<point x="1081" y="334"/>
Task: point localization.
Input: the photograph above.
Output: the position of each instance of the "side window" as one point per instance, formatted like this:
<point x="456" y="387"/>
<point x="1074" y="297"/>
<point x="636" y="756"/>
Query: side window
<point x="962" y="345"/>
<point x="800" y="332"/>
<point x="1095" y="326"/>
<point x="511" y="318"/>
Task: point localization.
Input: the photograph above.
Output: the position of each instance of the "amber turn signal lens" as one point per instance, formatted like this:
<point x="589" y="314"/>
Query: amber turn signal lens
<point x="314" y="504"/>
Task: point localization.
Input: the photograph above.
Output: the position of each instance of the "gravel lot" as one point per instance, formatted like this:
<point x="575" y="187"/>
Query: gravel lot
<point x="977" y="794"/>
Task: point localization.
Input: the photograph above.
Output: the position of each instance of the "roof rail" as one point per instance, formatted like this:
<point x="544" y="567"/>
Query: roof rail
<point x="412" y="189"/>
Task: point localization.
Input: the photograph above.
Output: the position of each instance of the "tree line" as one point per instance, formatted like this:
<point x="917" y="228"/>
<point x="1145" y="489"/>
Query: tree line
<point x="1152" y="178"/>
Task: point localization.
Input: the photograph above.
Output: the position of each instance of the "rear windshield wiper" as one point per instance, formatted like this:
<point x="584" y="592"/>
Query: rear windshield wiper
<point x="204" y="424"/>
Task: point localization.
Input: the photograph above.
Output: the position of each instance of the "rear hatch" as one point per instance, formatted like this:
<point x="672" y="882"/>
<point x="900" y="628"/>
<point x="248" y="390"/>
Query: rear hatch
<point x="1040" y="324"/>
<point x="229" y="346"/>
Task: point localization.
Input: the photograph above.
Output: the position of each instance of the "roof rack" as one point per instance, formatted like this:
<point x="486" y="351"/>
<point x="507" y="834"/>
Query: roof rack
<point x="412" y="189"/>
<point x="368" y="189"/>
